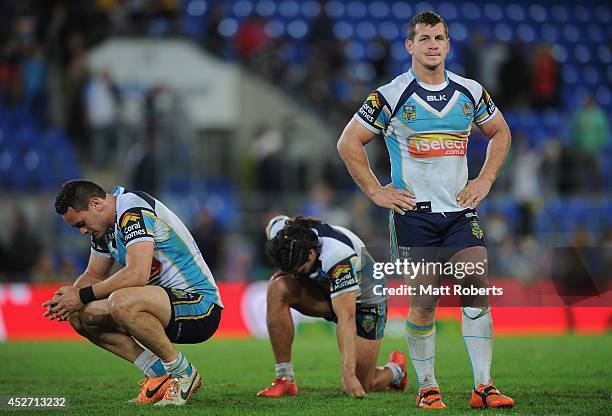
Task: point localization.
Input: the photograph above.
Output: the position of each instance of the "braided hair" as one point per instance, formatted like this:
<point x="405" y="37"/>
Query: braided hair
<point x="290" y="247"/>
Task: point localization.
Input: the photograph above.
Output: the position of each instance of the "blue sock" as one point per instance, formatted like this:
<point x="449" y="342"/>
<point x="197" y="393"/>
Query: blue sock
<point x="178" y="367"/>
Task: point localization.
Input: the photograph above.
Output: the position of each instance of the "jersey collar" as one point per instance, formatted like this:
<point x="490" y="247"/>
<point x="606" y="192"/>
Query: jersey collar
<point x="431" y="87"/>
<point x="118" y="190"/>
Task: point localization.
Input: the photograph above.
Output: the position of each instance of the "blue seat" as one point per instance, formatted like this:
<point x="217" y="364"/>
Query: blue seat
<point x="335" y="9"/>
<point x="560" y="13"/>
<point x="401" y="10"/>
<point x="378" y="10"/>
<point x="356" y="10"/>
<point x="493" y="12"/>
<point x="310" y="9"/>
<point x="289" y="9"/>
<point x="265" y="8"/>
<point x="242" y="8"/>
<point x="537" y="13"/>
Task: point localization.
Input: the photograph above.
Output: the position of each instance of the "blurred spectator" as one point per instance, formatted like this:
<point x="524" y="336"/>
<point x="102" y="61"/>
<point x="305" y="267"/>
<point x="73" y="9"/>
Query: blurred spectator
<point x="590" y="135"/>
<point x="101" y="99"/>
<point x="209" y="237"/>
<point x="492" y="58"/>
<point x="251" y="38"/>
<point x="211" y="38"/>
<point x="380" y="59"/>
<point x="21" y="250"/>
<point x="473" y="55"/>
<point x="34" y="72"/>
<point x="266" y="153"/>
<point x="551" y="169"/>
<point x="514" y="80"/>
<point x="526" y="187"/>
<point x="140" y="167"/>
<point x="75" y="82"/>
<point x="10" y="79"/>
<point x="546" y="78"/>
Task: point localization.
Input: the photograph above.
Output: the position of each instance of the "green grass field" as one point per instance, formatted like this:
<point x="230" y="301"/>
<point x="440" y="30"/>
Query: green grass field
<point x="545" y="375"/>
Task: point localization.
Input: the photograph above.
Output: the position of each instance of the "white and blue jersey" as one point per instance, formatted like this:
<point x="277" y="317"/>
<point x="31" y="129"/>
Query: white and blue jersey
<point x="177" y="260"/>
<point x="344" y="264"/>
<point x="426" y="129"/>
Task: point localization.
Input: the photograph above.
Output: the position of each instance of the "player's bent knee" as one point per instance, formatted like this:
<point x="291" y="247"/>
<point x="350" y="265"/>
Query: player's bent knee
<point x="121" y="305"/>
<point x="74" y="319"/>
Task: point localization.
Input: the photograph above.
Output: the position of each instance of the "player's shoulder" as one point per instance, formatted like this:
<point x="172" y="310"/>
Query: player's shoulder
<point x="473" y="86"/>
<point x="335" y="245"/>
<point x="133" y="200"/>
<point x="393" y="90"/>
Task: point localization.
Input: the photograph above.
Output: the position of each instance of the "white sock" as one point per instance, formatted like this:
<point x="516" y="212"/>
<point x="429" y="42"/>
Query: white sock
<point x="477" y="329"/>
<point x="178" y="367"/>
<point x="422" y="348"/>
<point x="150" y="364"/>
<point x="398" y="374"/>
<point x="284" y="370"/>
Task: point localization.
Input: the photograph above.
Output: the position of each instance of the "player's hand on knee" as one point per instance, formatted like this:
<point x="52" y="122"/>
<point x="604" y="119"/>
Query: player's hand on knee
<point x="473" y="193"/>
<point x="398" y="200"/>
<point x="352" y="387"/>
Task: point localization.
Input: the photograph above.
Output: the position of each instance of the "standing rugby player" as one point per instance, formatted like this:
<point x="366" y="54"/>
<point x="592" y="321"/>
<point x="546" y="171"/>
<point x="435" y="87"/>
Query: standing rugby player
<point x="425" y="116"/>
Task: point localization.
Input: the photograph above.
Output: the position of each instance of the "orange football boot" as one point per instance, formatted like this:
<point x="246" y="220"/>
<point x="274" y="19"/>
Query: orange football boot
<point x="488" y="396"/>
<point x="279" y="387"/>
<point x="152" y="389"/>
<point x="430" y="399"/>
<point x="398" y="357"/>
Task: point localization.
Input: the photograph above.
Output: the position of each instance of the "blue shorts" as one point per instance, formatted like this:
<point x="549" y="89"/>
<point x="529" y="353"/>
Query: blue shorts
<point x="194" y="317"/>
<point x="370" y="320"/>
<point x="434" y="236"/>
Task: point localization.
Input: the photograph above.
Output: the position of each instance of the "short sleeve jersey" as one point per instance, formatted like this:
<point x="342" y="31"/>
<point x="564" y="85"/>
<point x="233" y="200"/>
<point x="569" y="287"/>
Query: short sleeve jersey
<point x="342" y="264"/>
<point x="426" y="129"/>
<point x="177" y="260"/>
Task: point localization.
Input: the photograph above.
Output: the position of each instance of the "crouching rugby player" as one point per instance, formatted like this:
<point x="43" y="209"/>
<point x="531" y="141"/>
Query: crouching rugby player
<point x="163" y="293"/>
<point x="326" y="272"/>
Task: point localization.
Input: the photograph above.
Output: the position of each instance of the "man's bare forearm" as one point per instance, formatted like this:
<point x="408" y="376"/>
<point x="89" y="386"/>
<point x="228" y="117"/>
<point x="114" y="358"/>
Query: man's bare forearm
<point x="356" y="160"/>
<point x="346" y="344"/>
<point x="497" y="152"/>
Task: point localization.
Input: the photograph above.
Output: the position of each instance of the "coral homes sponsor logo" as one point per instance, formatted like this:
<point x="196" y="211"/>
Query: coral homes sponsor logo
<point x="436" y="147"/>
<point x="130" y="216"/>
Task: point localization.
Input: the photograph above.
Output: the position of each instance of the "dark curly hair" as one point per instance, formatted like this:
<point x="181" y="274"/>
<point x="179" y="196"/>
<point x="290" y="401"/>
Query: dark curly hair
<point x="427" y="18"/>
<point x="290" y="247"/>
<point x="76" y="193"/>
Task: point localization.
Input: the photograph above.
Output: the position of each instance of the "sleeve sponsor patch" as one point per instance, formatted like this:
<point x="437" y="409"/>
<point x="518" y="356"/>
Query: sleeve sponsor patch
<point x="341" y="277"/>
<point x="132" y="226"/>
<point x="371" y="110"/>
<point x="485" y="108"/>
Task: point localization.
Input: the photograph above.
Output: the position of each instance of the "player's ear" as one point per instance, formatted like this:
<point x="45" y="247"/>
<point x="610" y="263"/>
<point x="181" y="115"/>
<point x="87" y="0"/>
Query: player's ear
<point x="95" y="203"/>
<point x="312" y="254"/>
<point x="408" y="44"/>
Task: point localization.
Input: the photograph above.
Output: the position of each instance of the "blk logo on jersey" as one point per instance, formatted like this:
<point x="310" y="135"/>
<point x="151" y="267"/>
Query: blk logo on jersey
<point x="439" y="97"/>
